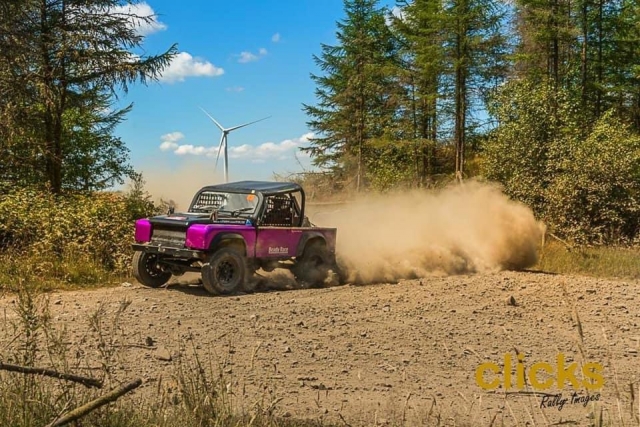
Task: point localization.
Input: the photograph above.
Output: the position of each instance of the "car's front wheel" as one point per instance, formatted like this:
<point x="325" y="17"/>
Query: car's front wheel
<point x="147" y="270"/>
<point x="225" y="272"/>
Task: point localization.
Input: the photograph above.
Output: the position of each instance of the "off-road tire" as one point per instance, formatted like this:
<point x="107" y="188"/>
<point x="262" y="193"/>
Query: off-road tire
<point x="226" y="272"/>
<point x="147" y="271"/>
<point x="312" y="268"/>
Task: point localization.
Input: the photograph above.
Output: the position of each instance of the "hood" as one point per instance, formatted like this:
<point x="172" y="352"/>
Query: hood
<point x="179" y="220"/>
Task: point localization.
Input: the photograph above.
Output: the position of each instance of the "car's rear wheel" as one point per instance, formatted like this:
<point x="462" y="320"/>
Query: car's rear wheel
<point x="225" y="272"/>
<point x="313" y="267"/>
<point x="147" y="270"/>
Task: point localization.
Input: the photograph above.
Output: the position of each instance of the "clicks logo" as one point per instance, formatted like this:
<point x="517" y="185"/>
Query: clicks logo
<point x="540" y="375"/>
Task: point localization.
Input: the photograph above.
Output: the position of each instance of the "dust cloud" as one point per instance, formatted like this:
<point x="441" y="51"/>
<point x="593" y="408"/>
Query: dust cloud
<point x="179" y="184"/>
<point x="462" y="229"/>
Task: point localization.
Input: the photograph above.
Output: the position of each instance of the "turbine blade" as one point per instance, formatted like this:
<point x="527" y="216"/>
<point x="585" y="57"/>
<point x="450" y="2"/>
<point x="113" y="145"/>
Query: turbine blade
<point x="246" y="124"/>
<point x="219" y="149"/>
<point x="214" y="120"/>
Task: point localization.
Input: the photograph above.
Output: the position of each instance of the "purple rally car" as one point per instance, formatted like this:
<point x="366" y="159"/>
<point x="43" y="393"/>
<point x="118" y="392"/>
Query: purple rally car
<point x="231" y="230"/>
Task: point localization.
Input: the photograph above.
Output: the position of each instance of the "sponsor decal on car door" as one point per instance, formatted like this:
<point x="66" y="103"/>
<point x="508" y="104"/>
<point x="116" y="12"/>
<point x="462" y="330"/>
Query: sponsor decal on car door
<point x="277" y="242"/>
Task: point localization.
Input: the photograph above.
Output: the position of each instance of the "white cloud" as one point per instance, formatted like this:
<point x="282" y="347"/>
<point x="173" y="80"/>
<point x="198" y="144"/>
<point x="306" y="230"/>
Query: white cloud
<point x="104" y="111"/>
<point x="235" y="89"/>
<point x="396" y="12"/>
<point x="242" y="149"/>
<point x="184" y="65"/>
<point x="195" y="150"/>
<point x="307" y="136"/>
<point x="282" y="150"/>
<point x="170" y="141"/>
<point x="275" y="38"/>
<point x="270" y="150"/>
<point x="140" y="11"/>
<point x="245" y="56"/>
<point x="132" y="57"/>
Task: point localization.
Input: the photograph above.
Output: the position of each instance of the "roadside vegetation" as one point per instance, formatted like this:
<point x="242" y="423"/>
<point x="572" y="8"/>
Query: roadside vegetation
<point x="62" y="63"/>
<point x="81" y="239"/>
<point x="598" y="261"/>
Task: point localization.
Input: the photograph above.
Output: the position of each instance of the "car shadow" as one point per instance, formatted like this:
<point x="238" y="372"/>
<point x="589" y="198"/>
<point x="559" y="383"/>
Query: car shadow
<point x="273" y="282"/>
<point x="279" y="281"/>
<point x="546" y="273"/>
<point x="195" y="289"/>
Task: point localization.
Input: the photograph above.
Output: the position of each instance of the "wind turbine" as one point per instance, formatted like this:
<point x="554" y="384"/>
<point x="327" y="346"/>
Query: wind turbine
<point x="223" y="141"/>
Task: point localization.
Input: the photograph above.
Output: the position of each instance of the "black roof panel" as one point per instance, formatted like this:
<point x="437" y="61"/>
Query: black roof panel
<point x="266" y="187"/>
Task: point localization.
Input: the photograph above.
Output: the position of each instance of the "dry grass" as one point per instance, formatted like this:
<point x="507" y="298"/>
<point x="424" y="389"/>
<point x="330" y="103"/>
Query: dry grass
<point x="47" y="273"/>
<point x="614" y="262"/>
<point x="202" y="398"/>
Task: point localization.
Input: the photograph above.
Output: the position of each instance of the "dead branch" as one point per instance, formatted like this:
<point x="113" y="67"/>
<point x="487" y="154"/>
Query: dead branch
<point x="85" y="381"/>
<point x="87" y="408"/>
<point x="567" y="245"/>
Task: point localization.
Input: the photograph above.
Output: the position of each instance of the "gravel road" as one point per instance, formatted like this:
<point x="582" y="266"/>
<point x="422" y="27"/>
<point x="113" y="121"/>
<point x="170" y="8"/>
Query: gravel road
<point x="376" y="353"/>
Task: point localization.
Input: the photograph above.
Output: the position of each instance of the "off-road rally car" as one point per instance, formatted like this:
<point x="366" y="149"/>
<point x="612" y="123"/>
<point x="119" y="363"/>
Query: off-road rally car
<point x="229" y="232"/>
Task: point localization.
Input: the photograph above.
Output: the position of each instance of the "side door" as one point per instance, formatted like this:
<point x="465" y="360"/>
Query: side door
<point x="277" y="238"/>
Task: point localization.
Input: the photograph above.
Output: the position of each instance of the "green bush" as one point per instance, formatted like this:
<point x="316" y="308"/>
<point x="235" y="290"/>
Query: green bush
<point x="595" y="198"/>
<point x="582" y="177"/>
<point x="72" y="238"/>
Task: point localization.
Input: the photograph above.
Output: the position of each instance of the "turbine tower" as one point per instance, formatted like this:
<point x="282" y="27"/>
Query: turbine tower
<point x="223" y="141"/>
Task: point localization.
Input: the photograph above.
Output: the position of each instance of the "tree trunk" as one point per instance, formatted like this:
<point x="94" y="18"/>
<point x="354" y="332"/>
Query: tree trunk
<point x="360" y="136"/>
<point x="428" y="126"/>
<point x="414" y="131"/>
<point x="599" y="66"/>
<point x="360" y="121"/>
<point x="61" y="104"/>
<point x="583" y="56"/>
<point x="47" y="98"/>
<point x="555" y="61"/>
<point x="635" y="111"/>
<point x="53" y="98"/>
<point x="460" y="92"/>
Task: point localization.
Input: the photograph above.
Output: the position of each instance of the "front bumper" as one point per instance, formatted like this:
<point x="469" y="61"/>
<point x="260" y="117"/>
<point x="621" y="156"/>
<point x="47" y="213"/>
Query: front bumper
<point x="180" y="253"/>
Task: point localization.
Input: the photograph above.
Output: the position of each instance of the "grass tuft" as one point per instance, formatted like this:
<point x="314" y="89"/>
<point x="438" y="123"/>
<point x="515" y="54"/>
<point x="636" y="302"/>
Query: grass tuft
<point x="603" y="261"/>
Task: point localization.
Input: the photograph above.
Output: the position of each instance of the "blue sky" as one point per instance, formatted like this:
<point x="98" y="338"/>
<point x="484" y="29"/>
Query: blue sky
<point x="241" y="61"/>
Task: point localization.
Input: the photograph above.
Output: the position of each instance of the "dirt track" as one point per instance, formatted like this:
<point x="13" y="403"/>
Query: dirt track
<point x="373" y="353"/>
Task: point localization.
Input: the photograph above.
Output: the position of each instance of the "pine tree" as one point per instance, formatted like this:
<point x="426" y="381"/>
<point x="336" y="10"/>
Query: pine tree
<point x="68" y="50"/>
<point x="18" y="122"/>
<point x="548" y="37"/>
<point x="355" y="105"/>
<point x="457" y="48"/>
<point x="423" y="67"/>
<point x="475" y="53"/>
<point x="587" y="47"/>
<point x="620" y="59"/>
<point x="95" y="159"/>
